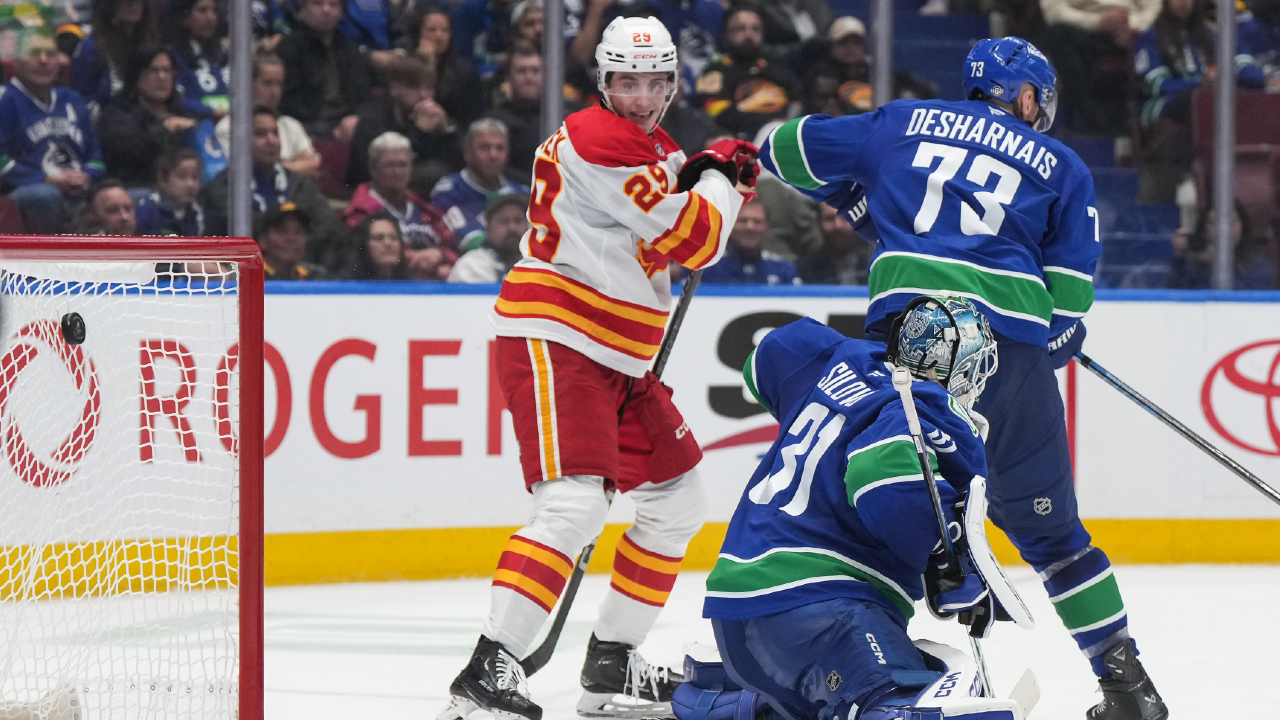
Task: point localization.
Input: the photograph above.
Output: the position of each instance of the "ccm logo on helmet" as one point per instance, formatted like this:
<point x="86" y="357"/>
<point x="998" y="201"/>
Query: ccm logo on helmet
<point x="645" y="57"/>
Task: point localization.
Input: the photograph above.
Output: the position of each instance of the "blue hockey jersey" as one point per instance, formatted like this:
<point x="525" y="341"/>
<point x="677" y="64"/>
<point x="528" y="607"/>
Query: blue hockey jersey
<point x="838" y="506"/>
<point x="967" y="201"/>
<point x="462" y="201"/>
<point x="37" y="140"/>
<point x="201" y="81"/>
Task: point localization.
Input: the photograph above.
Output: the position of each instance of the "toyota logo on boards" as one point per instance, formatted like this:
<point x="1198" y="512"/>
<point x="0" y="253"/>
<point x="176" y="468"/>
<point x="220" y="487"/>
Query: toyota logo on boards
<point x="1241" y="397"/>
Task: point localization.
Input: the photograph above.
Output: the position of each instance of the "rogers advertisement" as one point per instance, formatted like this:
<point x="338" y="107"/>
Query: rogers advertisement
<point x="382" y="410"/>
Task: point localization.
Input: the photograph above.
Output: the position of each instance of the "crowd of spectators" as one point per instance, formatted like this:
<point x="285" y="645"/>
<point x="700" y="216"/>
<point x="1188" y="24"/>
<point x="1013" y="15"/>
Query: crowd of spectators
<point x="395" y="139"/>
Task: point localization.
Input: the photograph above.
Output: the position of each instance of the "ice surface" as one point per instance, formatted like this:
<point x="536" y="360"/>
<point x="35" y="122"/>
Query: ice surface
<point x="1208" y="634"/>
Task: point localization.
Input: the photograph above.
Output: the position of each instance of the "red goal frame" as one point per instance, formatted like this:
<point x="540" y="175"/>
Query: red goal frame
<point x="249" y="289"/>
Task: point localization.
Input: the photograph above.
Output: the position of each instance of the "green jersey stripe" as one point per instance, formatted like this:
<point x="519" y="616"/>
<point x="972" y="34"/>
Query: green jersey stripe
<point x="749" y="375"/>
<point x="1016" y="295"/>
<point x="789" y="157"/>
<point x="781" y="569"/>
<point x="1090" y="603"/>
<point x="1072" y="292"/>
<point x="872" y="464"/>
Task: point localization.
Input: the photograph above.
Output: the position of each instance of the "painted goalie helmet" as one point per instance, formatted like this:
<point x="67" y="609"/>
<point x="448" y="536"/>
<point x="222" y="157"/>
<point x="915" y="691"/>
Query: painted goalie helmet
<point x="946" y="340"/>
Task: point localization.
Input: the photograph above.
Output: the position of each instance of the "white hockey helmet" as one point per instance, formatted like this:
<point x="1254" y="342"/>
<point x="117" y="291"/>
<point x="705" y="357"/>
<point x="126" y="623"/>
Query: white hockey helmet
<point x="639" y="45"/>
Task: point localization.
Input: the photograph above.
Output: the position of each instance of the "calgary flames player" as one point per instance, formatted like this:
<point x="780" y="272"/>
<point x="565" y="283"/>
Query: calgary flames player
<point x="579" y="319"/>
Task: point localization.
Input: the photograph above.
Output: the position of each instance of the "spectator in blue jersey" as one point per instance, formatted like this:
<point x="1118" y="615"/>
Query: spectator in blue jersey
<point x="108" y="210"/>
<point x="428" y="33"/>
<point x="462" y="195"/>
<point x="97" y="68"/>
<point x="49" y="154"/>
<point x="195" y="38"/>
<point x="327" y="78"/>
<point x="745" y="260"/>
<point x="297" y="153"/>
<point x="273" y="185"/>
<point x="1172" y="59"/>
<point x="499" y="248"/>
<point x="1025" y="252"/>
<point x="487" y="29"/>
<point x="283" y="234"/>
<point x="1258" y="39"/>
<point x="381" y="250"/>
<point x="843" y="259"/>
<point x="173" y="208"/>
<point x="145" y="119"/>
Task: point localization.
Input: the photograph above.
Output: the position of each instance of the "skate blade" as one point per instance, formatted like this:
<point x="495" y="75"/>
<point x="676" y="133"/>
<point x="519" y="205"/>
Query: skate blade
<point x="459" y="708"/>
<point x="609" y="705"/>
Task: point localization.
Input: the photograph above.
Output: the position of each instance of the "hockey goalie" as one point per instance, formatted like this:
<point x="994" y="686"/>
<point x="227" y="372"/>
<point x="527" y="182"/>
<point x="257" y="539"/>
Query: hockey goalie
<point x="823" y="561"/>
<point x="579" y="319"/>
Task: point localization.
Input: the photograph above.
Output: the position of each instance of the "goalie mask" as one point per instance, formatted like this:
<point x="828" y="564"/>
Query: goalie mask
<point x="945" y="340"/>
<point x="637" y="45"/>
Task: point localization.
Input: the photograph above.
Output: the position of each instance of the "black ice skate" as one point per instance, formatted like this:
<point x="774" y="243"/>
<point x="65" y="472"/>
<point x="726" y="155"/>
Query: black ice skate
<point x="618" y="683"/>
<point x="494" y="681"/>
<point x="1127" y="694"/>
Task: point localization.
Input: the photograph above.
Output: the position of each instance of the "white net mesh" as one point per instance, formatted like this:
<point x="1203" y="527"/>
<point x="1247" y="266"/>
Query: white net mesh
<point x="119" y="491"/>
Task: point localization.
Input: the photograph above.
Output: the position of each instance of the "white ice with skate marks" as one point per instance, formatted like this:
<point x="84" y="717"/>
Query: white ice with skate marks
<point x="1207" y="634"/>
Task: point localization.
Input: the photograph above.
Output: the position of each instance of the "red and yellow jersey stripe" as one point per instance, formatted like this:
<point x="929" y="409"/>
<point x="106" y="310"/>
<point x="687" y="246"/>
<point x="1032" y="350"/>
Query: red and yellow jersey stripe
<point x="625" y="327"/>
<point x="642" y="575"/>
<point x="534" y="570"/>
<point x="695" y="238"/>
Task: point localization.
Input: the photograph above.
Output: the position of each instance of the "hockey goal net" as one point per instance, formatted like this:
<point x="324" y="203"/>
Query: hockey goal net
<point x="130" y="478"/>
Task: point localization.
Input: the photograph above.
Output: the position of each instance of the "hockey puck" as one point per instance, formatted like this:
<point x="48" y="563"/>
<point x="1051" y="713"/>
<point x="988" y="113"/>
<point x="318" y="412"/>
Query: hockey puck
<point x="73" y="329"/>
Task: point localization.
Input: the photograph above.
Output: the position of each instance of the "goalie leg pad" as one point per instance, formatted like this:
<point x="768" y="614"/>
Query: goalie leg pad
<point x="708" y="692"/>
<point x="808" y="660"/>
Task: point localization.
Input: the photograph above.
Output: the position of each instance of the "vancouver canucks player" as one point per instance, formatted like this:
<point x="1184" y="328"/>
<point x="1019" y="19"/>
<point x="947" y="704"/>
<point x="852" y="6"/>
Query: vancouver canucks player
<point x="969" y="198"/>
<point x="823" y="559"/>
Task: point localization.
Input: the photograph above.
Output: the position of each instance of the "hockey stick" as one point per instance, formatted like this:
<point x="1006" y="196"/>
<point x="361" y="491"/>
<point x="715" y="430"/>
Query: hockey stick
<point x="951" y="574"/>
<point x="538" y="659"/>
<point x="1179" y="428"/>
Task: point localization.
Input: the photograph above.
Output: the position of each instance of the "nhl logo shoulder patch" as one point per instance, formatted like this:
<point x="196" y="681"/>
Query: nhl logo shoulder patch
<point x="834" y="680"/>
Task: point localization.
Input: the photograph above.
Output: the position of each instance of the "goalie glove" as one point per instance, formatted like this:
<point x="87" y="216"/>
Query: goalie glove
<point x="735" y="159"/>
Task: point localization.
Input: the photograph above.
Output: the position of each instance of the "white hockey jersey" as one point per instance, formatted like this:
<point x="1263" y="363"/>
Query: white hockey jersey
<point x="605" y="219"/>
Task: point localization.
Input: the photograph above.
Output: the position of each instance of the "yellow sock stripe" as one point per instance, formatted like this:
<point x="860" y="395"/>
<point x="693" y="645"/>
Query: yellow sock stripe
<point x="648" y="562"/>
<point x="552" y="561"/>
<point x="640" y="591"/>
<point x="527" y="584"/>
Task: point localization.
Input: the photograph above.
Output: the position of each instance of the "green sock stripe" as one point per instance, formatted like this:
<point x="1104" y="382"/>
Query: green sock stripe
<point x="1090" y="605"/>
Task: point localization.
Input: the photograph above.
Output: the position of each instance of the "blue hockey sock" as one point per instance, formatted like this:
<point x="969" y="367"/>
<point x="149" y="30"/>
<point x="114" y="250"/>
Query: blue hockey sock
<point x="1082" y="588"/>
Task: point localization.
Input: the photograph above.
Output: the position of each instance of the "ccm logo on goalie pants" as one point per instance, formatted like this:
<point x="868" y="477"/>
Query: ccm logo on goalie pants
<point x="875" y="648"/>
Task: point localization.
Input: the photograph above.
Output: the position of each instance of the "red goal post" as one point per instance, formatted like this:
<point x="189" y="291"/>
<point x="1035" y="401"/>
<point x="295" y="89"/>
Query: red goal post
<point x="133" y="455"/>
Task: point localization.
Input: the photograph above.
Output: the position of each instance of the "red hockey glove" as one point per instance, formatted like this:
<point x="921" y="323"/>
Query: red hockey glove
<point x="736" y="159"/>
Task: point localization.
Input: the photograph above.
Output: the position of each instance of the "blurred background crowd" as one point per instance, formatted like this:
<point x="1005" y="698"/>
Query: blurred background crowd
<point x="394" y="139"/>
